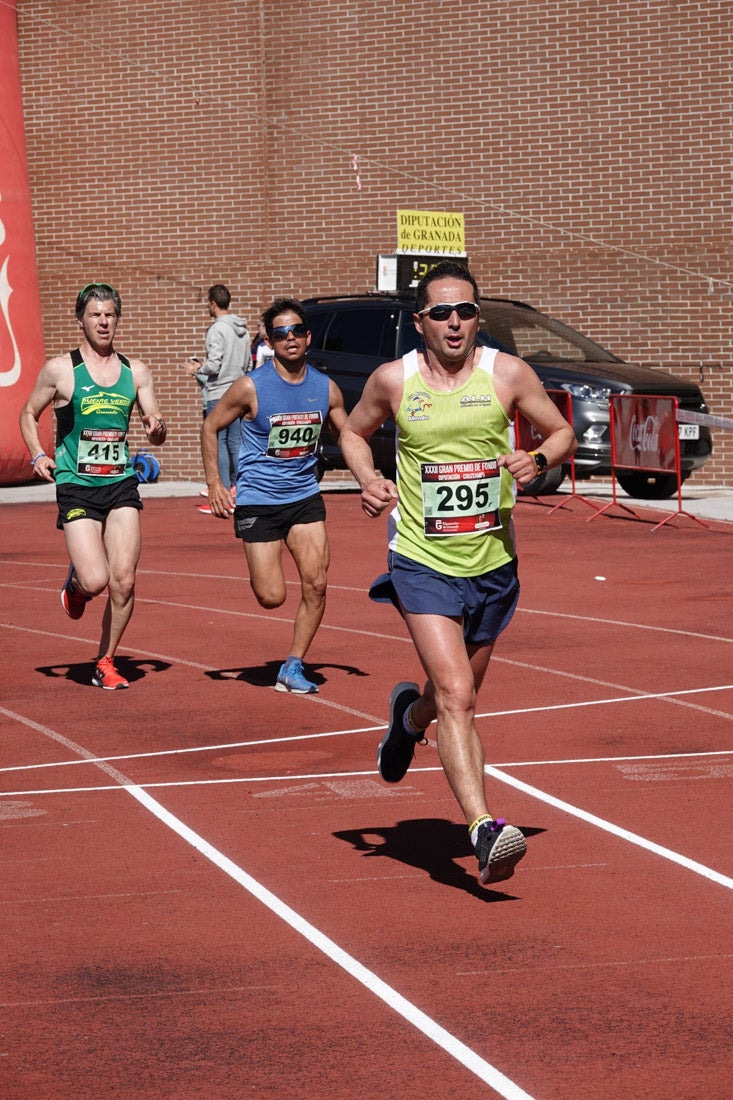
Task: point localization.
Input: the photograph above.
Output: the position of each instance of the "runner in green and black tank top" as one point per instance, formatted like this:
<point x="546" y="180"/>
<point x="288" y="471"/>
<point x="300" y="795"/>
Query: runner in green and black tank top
<point x="91" y="431"/>
<point x="92" y="390"/>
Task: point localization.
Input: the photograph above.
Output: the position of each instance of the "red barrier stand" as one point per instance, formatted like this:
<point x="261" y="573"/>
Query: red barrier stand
<point x="528" y="439"/>
<point x="645" y="436"/>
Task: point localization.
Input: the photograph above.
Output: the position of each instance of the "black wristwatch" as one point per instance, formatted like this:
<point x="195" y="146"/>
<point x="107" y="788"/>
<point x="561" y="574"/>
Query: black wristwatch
<point x="540" y="462"/>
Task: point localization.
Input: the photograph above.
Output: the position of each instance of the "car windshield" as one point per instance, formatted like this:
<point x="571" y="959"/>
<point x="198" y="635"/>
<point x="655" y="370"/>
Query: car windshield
<point x="536" y="337"/>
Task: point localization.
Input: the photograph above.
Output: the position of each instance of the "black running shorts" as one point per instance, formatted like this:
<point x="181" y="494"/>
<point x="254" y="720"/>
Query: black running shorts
<point x="86" y="502"/>
<point x="271" y="522"/>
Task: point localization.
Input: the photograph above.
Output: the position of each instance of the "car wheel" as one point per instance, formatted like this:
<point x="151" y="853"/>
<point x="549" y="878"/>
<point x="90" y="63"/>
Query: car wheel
<point x="648" y="486"/>
<point x="546" y="483"/>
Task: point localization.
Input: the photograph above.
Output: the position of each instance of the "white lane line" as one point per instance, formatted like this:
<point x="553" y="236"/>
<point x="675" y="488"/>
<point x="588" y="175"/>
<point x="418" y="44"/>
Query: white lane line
<point x="359" y="590"/>
<point x="226" y="746"/>
<point x="235" y="578"/>
<point x="122" y="782"/>
<point x="320" y="700"/>
<point x="311" y="777"/>
<point x="609" y="827"/>
<point x="561" y="674"/>
<point x="668" y="696"/>
<point x="223" y="781"/>
<point x="303" y="777"/>
<point x="591" y="619"/>
<point x="207" y="609"/>
<point x="394" y="1000"/>
<point x="623" y="623"/>
<point x="595" y="966"/>
<point x="223" y="747"/>
<point x="310" y="700"/>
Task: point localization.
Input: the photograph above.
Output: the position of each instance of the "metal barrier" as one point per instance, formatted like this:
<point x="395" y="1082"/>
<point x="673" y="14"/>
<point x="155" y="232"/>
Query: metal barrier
<point x="645" y="437"/>
<point x="529" y="439"/>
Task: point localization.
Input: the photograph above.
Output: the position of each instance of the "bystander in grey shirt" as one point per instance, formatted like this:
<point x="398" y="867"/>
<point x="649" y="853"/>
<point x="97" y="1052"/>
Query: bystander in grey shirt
<point x="228" y="355"/>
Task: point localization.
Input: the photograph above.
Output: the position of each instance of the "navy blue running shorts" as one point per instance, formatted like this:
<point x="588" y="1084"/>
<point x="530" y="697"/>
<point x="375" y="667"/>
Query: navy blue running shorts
<point x="272" y="522"/>
<point x="95" y="502"/>
<point x="486" y="603"/>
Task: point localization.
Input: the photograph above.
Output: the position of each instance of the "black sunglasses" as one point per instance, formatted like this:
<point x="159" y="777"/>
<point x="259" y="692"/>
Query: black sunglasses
<point x="283" y="331"/>
<point x="465" y="310"/>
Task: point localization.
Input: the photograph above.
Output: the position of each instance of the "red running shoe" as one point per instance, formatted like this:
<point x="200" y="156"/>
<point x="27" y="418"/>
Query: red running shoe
<point x="106" y="675"/>
<point x="72" y="600"/>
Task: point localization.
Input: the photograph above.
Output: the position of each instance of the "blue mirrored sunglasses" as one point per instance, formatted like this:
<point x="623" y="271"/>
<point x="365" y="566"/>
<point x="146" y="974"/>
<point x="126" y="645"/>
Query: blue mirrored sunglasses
<point x="282" y="331"/>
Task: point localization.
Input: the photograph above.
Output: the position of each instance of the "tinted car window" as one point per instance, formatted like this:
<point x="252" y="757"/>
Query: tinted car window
<point x="318" y="325"/>
<point x="357" y="331"/>
<point x="532" y="342"/>
<point x="532" y="335"/>
<point x="410" y="337"/>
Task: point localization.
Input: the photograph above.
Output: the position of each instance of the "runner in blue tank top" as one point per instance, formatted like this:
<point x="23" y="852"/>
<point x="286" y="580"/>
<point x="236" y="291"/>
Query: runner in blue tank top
<point x="282" y="407"/>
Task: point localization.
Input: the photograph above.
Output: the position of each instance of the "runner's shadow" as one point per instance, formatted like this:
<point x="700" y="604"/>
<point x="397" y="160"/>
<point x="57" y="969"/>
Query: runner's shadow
<point x="265" y="675"/>
<point x="81" y="673"/>
<point x="432" y="845"/>
<point x="350" y="670"/>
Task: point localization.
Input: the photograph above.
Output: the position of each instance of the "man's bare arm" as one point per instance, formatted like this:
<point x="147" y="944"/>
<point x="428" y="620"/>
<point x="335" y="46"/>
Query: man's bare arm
<point x="48" y="387"/>
<point x="379" y="400"/>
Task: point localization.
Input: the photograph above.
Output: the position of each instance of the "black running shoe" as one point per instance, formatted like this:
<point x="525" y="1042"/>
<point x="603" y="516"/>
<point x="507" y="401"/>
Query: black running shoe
<point x="397" y="747"/>
<point x="499" y="848"/>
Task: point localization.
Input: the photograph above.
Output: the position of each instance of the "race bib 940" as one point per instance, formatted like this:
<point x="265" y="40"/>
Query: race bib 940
<point x="460" y="498"/>
<point x="293" y="435"/>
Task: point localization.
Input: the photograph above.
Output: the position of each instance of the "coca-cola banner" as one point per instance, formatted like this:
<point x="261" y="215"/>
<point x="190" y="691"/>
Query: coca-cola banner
<point x="21" y="338"/>
<point x="644" y="432"/>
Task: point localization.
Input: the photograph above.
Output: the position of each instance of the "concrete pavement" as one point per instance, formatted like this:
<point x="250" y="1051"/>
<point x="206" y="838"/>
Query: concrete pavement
<point x="712" y="502"/>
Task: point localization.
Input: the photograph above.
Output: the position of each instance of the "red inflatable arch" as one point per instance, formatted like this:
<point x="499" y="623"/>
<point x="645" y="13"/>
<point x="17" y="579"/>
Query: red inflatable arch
<point x="21" y="337"/>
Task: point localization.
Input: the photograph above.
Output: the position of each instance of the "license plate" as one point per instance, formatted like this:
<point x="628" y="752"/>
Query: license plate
<point x="689" y="431"/>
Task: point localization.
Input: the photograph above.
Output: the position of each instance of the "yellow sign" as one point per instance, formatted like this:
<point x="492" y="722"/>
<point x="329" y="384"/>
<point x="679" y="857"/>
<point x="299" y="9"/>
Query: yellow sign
<point x="431" y="231"/>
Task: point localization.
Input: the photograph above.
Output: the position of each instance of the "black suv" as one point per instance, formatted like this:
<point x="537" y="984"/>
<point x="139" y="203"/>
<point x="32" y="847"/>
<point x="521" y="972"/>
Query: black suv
<point x="353" y="335"/>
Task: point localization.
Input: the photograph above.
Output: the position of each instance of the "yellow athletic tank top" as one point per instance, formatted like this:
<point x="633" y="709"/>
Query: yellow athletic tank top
<point x="455" y="503"/>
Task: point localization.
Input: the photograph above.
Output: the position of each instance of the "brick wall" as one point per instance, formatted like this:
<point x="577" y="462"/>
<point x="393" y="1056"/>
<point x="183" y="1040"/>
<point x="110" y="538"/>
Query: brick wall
<point x="173" y="145"/>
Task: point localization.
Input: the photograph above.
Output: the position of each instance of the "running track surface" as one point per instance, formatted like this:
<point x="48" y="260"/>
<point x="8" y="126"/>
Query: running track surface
<point x="209" y="892"/>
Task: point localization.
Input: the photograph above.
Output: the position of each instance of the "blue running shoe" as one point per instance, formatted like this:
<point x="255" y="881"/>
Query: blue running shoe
<point x="499" y="848"/>
<point x="397" y="747"/>
<point x="291" y="678"/>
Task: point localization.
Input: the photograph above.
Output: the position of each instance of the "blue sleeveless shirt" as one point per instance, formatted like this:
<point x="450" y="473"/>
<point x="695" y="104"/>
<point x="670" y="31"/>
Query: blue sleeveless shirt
<point x="277" y="459"/>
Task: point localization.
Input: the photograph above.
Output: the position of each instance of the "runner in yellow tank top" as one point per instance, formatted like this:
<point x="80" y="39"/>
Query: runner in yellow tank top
<point x="452" y="561"/>
<point x="449" y="506"/>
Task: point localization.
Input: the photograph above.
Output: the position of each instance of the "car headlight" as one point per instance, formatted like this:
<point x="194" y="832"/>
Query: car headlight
<point x="595" y="434"/>
<point x="587" y="392"/>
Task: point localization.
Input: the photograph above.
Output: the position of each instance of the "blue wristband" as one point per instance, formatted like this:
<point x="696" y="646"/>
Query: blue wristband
<point x="41" y="454"/>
